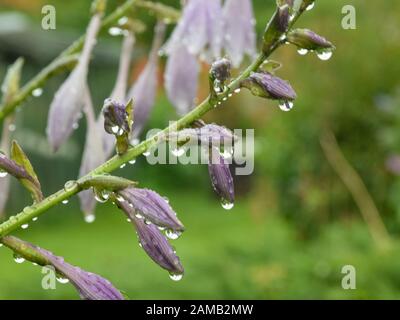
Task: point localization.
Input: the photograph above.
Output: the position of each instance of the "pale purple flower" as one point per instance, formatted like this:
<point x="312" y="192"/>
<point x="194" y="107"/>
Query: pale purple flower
<point x="93" y="155"/>
<point x="200" y="29"/>
<point x="120" y="88"/>
<point x="239" y="32"/>
<point x="144" y="90"/>
<point x="266" y="85"/>
<point x="181" y="78"/>
<point x="68" y="101"/>
<point x="221" y="177"/>
<point x="151" y="206"/>
<point x="5" y="181"/>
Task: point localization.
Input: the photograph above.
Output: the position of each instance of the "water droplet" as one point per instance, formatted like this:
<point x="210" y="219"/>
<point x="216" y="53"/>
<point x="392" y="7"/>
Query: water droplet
<point x="132" y="161"/>
<point x="27" y="210"/>
<point x="286" y="105"/>
<point x="64" y="201"/>
<point x="115" y="31"/>
<point x="12" y="127"/>
<point x="75" y="125"/>
<point x="62" y="280"/>
<point x="302" y="51"/>
<point x="37" y="92"/>
<point x="3" y="173"/>
<point x="227" y="205"/>
<point x="25" y="226"/>
<point x="138" y="215"/>
<point x="115" y="129"/>
<point x="178" y="152"/>
<point x="34" y="219"/>
<point x="237" y="90"/>
<point x="324" y="55"/>
<point x="171" y="234"/>
<point x="146" y="153"/>
<point x="18" y="258"/>
<point x="148" y="222"/>
<point x="123" y="21"/>
<point x="129" y="220"/>
<point x="70" y="185"/>
<point x="1" y="245"/>
<point x="90" y="218"/>
<point x="122" y="166"/>
<point x="310" y="6"/>
<point x="176" y="277"/>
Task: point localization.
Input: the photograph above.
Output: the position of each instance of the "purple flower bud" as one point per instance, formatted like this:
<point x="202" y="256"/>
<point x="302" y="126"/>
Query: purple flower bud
<point x="221" y="70"/>
<point x="157" y="246"/>
<point x="115" y="118"/>
<point x="68" y="101"/>
<point x="307" y="39"/>
<point x="239" y="33"/>
<point x="151" y="206"/>
<point x="144" y="90"/>
<point x="276" y="27"/>
<point x="263" y="84"/>
<point x="221" y="177"/>
<point x="200" y="29"/>
<point x="89" y="285"/>
<point x="181" y="79"/>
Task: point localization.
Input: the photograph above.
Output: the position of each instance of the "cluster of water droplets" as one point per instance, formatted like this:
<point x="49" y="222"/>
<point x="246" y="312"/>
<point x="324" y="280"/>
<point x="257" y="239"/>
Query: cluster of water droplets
<point x="323" y="55"/>
<point x="119" y="30"/>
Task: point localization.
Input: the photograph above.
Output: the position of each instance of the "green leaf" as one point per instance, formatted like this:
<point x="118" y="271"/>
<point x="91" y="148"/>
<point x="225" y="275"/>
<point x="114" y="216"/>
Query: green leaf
<point x="32" y="182"/>
<point x="11" y="81"/>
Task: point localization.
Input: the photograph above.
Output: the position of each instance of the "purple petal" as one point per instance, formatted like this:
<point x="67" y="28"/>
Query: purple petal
<point x="144" y="90"/>
<point x="68" y="101"/>
<point x="221" y="177"/>
<point x="151" y="206"/>
<point x="181" y="79"/>
<point x="239" y="32"/>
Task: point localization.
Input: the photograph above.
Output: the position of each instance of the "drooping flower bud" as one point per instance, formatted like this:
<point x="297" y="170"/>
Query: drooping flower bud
<point x="265" y="85"/>
<point x="89" y="285"/>
<point x="151" y="206"/>
<point x="309" y="40"/>
<point x="277" y="26"/>
<point x="157" y="247"/>
<point x="239" y="31"/>
<point x="68" y="101"/>
<point x="181" y="79"/>
<point x="221" y="178"/>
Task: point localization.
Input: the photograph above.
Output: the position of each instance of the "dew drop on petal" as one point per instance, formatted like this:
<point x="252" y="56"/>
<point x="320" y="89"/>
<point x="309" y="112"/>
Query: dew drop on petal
<point x="90" y="218"/>
<point x="176" y="277"/>
<point x="18" y="258"/>
<point x="227" y="205"/>
<point x="171" y="234"/>
<point x="62" y="280"/>
<point x="302" y="51"/>
<point x="310" y="6"/>
<point x="324" y="55"/>
<point x="286" y="106"/>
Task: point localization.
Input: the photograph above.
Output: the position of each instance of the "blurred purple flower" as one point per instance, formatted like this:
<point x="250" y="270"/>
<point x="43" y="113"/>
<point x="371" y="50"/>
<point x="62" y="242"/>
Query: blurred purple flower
<point x="151" y="206"/>
<point x="93" y="156"/>
<point x="393" y="164"/>
<point x="68" y="101"/>
<point x="181" y="78"/>
<point x="221" y="178"/>
<point x="239" y="33"/>
<point x="144" y="90"/>
<point x="199" y="29"/>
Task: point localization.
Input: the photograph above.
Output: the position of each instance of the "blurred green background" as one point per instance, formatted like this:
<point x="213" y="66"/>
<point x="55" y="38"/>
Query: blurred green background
<point x="295" y="223"/>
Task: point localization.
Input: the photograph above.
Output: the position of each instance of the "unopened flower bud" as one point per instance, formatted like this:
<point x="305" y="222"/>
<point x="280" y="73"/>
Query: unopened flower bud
<point x="277" y="26"/>
<point x="265" y="85"/>
<point x="307" y="39"/>
<point x="115" y="118"/>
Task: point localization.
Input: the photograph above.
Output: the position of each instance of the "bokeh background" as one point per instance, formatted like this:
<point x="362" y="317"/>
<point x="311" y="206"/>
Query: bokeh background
<point x="298" y="218"/>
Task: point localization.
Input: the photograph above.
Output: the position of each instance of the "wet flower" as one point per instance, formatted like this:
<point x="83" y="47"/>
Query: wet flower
<point x="144" y="90"/>
<point x="151" y="206"/>
<point x="221" y="177"/>
<point x="115" y="118"/>
<point x="266" y="85"/>
<point x="89" y="285"/>
<point x="181" y="79"/>
<point x="309" y="40"/>
<point x="68" y="101"/>
<point x="239" y="33"/>
<point x="200" y="29"/>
